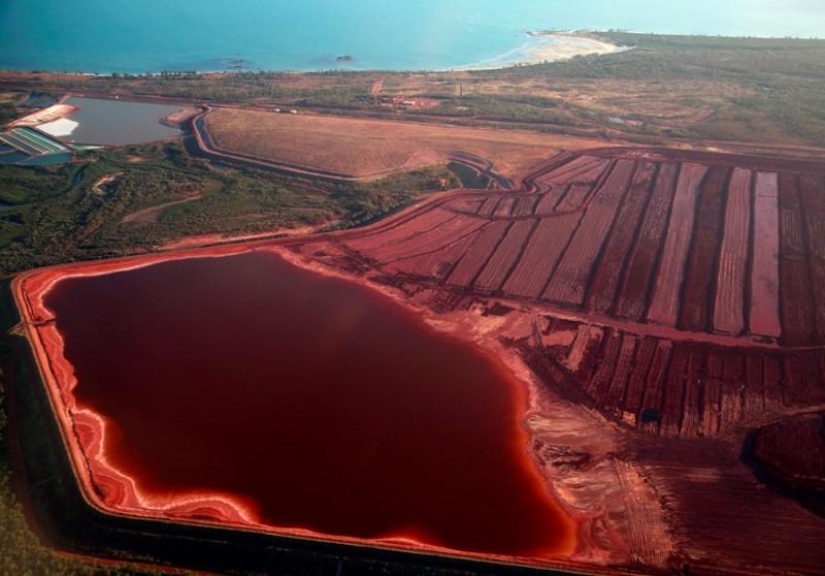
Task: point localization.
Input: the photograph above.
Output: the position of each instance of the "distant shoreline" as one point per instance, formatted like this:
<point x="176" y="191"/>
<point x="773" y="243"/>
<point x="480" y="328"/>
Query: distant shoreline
<point x="548" y="46"/>
<point x="538" y="47"/>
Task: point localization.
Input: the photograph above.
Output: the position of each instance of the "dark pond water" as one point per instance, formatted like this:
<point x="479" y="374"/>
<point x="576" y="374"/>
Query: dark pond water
<point x="330" y="406"/>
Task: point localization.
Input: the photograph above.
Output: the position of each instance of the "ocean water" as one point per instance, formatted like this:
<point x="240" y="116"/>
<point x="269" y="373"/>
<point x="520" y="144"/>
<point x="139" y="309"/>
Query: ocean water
<point x="128" y="36"/>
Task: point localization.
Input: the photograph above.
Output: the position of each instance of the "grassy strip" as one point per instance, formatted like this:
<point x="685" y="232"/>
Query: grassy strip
<point x="56" y="215"/>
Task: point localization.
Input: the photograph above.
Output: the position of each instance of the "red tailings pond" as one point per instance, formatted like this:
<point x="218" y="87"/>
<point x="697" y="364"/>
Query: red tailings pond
<point x="247" y="391"/>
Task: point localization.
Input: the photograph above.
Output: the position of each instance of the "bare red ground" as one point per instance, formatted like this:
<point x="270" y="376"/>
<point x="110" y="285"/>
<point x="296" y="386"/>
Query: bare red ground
<point x="665" y="304"/>
<point x="796" y="303"/>
<point x="569" y="281"/>
<point x="793" y="450"/>
<point x="764" y="311"/>
<point x="697" y="295"/>
<point x="729" y="306"/>
<point x="641" y="267"/>
<point x="813" y="209"/>
<point x="605" y="281"/>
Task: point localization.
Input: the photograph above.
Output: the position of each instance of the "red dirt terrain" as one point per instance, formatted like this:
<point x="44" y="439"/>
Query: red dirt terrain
<point x="671" y="292"/>
<point x="660" y="306"/>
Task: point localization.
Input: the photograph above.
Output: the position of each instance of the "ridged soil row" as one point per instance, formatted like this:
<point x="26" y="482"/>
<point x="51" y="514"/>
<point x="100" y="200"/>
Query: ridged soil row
<point x="764" y="310"/>
<point x="525" y="205"/>
<point x="580" y="169"/>
<point x="489" y="207"/>
<point x="637" y="383"/>
<point x="541" y="255"/>
<point x="729" y="304"/>
<point x="674" y="391"/>
<point x="569" y="282"/>
<point x="612" y="400"/>
<point x="598" y="386"/>
<point x="700" y="273"/>
<point x="505" y="207"/>
<point x="436" y="264"/>
<point x="546" y="205"/>
<point x="434" y="239"/>
<point x="505" y="256"/>
<point x="812" y="190"/>
<point x="641" y="266"/>
<point x="605" y="280"/>
<point x="422" y="224"/>
<point x="796" y="305"/>
<point x="471" y="264"/>
<point x="574" y="197"/>
<point x="653" y="400"/>
<point x="666" y="296"/>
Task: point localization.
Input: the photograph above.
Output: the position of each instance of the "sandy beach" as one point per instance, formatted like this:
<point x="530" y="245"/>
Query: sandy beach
<point x="547" y="47"/>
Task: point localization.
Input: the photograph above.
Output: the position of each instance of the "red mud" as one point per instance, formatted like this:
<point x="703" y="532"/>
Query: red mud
<point x="698" y="293"/>
<point x="813" y="208"/>
<point x="764" y="312"/>
<point x="641" y="266"/>
<point x="664" y="306"/>
<point x="623" y="234"/>
<point x="569" y="281"/>
<point x="796" y="303"/>
<point x="246" y="391"/>
<point x="606" y="279"/>
<point x="729" y="307"/>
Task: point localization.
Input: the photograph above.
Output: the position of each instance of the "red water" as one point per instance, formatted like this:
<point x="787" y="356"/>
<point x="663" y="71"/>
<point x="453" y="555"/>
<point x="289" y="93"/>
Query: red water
<point x="331" y="407"/>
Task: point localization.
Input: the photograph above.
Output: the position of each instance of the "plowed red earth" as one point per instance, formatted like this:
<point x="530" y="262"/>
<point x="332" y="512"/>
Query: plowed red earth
<point x="629" y="208"/>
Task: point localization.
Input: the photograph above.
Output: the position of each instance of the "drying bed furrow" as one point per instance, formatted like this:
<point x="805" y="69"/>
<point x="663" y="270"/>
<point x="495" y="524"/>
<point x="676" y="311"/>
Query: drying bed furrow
<point x="764" y="310"/>
<point x="541" y="255"/>
<point x="478" y="254"/>
<point x="697" y="296"/>
<point x="569" y="282"/>
<point x="505" y="256"/>
<point x="665" y="300"/>
<point x="605" y="281"/>
<point x="729" y="304"/>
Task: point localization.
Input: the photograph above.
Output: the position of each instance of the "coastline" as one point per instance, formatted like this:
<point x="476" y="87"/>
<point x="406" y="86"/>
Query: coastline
<point x="542" y="47"/>
<point x="538" y="47"/>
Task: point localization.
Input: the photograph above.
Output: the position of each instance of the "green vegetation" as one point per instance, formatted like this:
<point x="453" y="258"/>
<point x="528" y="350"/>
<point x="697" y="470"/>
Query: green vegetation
<point x="75" y="212"/>
<point x="21" y="553"/>
<point x="759" y="88"/>
<point x="8" y="109"/>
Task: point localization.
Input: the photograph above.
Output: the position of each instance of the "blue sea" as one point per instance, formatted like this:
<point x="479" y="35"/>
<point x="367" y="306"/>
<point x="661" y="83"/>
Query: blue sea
<point x="137" y="36"/>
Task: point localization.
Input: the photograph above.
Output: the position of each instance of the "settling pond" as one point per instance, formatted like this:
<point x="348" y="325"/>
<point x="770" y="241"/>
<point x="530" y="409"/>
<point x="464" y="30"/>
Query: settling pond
<point x="321" y="405"/>
<point x="115" y="122"/>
